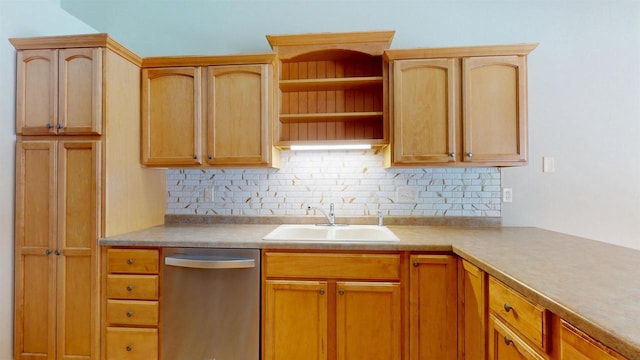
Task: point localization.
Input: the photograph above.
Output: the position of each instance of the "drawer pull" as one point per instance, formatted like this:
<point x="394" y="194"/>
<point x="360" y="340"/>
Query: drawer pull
<point x="129" y="313"/>
<point x="508" y="341"/>
<point x="129" y="261"/>
<point x="129" y="347"/>
<point x="129" y="287"/>
<point x="507" y="307"/>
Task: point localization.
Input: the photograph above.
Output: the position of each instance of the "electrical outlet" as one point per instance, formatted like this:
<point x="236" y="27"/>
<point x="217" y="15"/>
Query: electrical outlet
<point x="507" y="195"/>
<point x="209" y="194"/>
<point x="548" y="164"/>
<point x="407" y="195"/>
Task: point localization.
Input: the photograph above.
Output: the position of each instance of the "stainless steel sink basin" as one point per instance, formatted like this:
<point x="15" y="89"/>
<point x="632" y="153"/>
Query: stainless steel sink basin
<point x="347" y="233"/>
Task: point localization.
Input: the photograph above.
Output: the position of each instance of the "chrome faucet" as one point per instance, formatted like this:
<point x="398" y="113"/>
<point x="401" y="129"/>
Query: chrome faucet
<point x="331" y="216"/>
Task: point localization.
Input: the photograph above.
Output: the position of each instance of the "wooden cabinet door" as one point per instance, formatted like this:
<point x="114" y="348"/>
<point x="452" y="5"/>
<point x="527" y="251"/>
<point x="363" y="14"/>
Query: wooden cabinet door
<point x="368" y="321"/>
<point x="77" y="283"/>
<point x="472" y="313"/>
<point x="36" y="226"/>
<point x="424" y="109"/>
<point x="80" y="91"/>
<point x="36" y="92"/>
<point x="433" y="307"/>
<point x="171" y="116"/>
<point x="495" y="109"/>
<point x="238" y="115"/>
<point x="576" y="345"/>
<point x="504" y="344"/>
<point x="56" y="244"/>
<point x="295" y="320"/>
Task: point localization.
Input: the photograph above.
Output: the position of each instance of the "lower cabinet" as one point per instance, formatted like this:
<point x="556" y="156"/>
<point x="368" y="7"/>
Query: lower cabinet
<point x="576" y="345"/>
<point x="433" y="307"/>
<point x="349" y="306"/>
<point x="505" y="344"/>
<point x="132" y="304"/>
<point x="472" y="311"/>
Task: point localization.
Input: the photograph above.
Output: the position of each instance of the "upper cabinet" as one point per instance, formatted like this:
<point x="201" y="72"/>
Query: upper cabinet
<point x="59" y="91"/>
<point x="462" y="106"/>
<point x="332" y="88"/>
<point x="208" y="111"/>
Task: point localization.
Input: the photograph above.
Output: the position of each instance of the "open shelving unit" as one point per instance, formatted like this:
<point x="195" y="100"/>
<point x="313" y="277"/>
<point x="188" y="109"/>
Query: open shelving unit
<point x="331" y="88"/>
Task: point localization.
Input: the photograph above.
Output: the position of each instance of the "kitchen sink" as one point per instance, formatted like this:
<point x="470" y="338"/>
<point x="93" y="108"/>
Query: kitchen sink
<point x="347" y="233"/>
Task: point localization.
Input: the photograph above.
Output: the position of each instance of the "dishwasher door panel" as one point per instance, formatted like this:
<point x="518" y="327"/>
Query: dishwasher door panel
<point x="210" y="304"/>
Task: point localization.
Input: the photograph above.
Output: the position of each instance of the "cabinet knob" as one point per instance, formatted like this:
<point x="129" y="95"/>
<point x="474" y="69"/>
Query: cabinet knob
<point x="129" y="313"/>
<point x="321" y="291"/>
<point x="47" y="252"/>
<point x="416" y="264"/>
<point x="195" y="157"/>
<point x="49" y="126"/>
<point x="341" y="292"/>
<point x="210" y="156"/>
<point x="508" y="341"/>
<point x="57" y="252"/>
<point x="452" y="154"/>
<point x="469" y="154"/>
<point x="129" y="347"/>
<point x="129" y="287"/>
<point x="58" y="126"/>
<point x="129" y="261"/>
<point x="507" y="307"/>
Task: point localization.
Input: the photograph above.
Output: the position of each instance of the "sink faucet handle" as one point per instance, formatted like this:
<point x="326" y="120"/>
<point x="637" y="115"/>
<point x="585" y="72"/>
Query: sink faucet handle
<point x="380" y="218"/>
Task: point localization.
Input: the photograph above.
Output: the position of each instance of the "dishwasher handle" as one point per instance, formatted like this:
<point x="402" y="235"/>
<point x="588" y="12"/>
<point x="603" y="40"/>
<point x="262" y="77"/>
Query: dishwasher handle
<point x="209" y="262"/>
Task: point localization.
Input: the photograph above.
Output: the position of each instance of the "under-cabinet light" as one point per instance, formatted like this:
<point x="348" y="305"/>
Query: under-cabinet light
<point x="332" y="147"/>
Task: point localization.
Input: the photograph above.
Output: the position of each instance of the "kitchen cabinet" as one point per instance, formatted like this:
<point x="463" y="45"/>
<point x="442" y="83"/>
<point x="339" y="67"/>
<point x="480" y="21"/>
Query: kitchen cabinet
<point x="464" y="106"/>
<point x="576" y="345"/>
<point x="132" y="303"/>
<point x="208" y="111"/>
<point x="433" y="307"/>
<point x="472" y="311"/>
<point x="331" y="306"/>
<point x="332" y="88"/>
<point x="59" y="91"/>
<point x="71" y="190"/>
<point x="518" y="327"/>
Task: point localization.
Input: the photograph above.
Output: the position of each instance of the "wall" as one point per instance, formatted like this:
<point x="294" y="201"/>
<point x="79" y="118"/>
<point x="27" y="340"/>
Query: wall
<point x="584" y="81"/>
<point x="354" y="181"/>
<point x="18" y="19"/>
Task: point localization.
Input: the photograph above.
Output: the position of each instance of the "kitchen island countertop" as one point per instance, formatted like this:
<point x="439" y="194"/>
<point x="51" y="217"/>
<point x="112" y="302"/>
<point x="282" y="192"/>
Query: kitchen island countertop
<point x="590" y="284"/>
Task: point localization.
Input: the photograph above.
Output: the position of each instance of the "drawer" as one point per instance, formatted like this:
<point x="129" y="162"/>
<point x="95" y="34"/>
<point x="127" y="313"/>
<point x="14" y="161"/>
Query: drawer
<point x="132" y="312"/>
<point x="579" y="346"/>
<point x="135" y="287"/>
<point x="131" y="343"/>
<point x="133" y="261"/>
<point x="336" y="266"/>
<point x="505" y="343"/>
<point x="526" y="317"/>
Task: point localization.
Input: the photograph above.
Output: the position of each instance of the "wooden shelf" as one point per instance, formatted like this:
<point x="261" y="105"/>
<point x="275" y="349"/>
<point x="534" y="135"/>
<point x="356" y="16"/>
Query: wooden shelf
<point x="375" y="143"/>
<point x="330" y="117"/>
<point x="330" y="84"/>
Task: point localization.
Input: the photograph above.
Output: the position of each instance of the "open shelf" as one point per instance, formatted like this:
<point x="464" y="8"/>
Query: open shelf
<point x="349" y="83"/>
<point x="331" y="117"/>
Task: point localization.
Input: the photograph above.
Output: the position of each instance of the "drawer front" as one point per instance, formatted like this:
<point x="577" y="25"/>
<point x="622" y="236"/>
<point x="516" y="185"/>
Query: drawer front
<point x="132" y="312"/>
<point x="133" y="261"/>
<point x="505" y="344"/>
<point x="524" y="316"/>
<point x="333" y="266"/>
<point x="577" y="345"/>
<point x="131" y="343"/>
<point x="136" y="287"/>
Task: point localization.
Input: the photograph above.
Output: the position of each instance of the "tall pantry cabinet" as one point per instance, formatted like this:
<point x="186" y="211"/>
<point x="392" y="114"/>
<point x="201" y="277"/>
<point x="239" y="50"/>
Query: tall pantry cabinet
<point x="78" y="178"/>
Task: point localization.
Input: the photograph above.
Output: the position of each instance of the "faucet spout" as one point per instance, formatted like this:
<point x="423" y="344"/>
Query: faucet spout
<point x="331" y="216"/>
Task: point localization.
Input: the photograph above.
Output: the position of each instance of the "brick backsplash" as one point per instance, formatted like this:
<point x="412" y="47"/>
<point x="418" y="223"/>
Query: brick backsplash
<point x="355" y="181"/>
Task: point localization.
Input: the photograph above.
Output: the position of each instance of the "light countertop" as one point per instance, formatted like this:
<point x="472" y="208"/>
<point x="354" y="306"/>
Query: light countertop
<point x="590" y="284"/>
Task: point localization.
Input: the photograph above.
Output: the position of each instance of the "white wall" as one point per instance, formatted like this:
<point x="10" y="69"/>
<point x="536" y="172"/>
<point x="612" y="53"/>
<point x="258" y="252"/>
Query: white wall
<point x="584" y="81"/>
<point x="18" y="19"/>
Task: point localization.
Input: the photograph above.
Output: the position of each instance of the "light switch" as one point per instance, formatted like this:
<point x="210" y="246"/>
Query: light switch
<point x="548" y="164"/>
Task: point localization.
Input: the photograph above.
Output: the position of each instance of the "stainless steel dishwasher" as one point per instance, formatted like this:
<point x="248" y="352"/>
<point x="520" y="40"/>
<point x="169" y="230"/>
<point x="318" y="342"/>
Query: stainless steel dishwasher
<point x="210" y="304"/>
